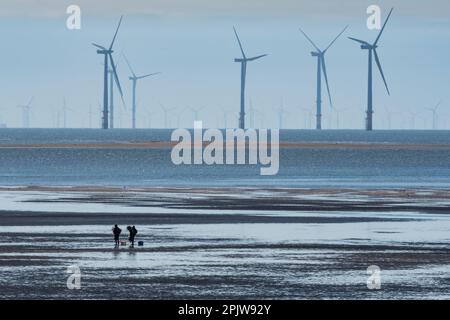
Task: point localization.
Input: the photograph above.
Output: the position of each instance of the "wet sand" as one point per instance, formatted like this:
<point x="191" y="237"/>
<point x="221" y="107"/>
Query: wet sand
<point x="226" y="243"/>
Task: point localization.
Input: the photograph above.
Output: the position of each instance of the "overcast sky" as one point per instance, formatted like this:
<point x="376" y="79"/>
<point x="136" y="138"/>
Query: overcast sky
<point x="192" y="43"/>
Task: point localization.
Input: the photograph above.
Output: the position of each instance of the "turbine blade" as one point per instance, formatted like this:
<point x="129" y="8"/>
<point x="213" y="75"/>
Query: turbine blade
<point x="309" y="39"/>
<point x="116" y="78"/>
<point x="148" y="75"/>
<point x="332" y="42"/>
<point x="324" y="69"/>
<point x="381" y="70"/>
<point x="382" y="29"/>
<point x="115" y="35"/>
<point x="129" y="65"/>
<point x="239" y="41"/>
<point x="29" y="103"/>
<point x="359" y="41"/>
<point x="98" y="46"/>
<point x="258" y="57"/>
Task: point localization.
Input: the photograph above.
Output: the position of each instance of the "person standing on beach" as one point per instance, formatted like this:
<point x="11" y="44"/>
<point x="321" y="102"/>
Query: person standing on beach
<point x="116" y="232"/>
<point x="133" y="232"/>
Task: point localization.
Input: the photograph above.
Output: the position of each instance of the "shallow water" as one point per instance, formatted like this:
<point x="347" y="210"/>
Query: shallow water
<point x="299" y="167"/>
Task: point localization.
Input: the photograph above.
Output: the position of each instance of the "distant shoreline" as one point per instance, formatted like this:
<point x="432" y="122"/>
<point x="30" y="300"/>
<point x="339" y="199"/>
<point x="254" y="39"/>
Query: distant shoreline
<point x="170" y="144"/>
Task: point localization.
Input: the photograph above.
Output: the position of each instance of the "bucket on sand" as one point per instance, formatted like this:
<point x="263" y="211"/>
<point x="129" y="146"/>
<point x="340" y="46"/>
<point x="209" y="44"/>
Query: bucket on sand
<point x="140" y="243"/>
<point x="123" y="243"/>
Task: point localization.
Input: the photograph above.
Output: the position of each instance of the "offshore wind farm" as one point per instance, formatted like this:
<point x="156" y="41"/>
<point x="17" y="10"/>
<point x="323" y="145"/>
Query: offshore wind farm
<point x="90" y="123"/>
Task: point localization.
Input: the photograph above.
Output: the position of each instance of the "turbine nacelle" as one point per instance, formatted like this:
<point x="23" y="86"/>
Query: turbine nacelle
<point x="105" y="51"/>
<point x="368" y="47"/>
<point x="316" y="53"/>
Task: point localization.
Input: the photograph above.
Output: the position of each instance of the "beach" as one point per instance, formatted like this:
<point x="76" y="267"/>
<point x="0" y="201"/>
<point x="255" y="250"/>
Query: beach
<point x="225" y="243"/>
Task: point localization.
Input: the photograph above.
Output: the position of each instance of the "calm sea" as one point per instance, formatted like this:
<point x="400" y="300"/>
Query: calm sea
<point x="310" y="167"/>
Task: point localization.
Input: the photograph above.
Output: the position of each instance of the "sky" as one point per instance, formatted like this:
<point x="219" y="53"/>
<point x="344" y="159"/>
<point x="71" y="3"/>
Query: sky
<point x="192" y="43"/>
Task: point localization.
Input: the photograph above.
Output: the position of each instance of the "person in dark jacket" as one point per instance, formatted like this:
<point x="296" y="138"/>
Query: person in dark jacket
<point x="133" y="232"/>
<point x="116" y="232"/>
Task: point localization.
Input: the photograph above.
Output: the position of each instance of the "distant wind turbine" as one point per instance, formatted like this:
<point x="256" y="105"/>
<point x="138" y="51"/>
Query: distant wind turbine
<point x="321" y="67"/>
<point x="196" y="111"/>
<point x="389" y="116"/>
<point x="224" y="117"/>
<point x="281" y="113"/>
<point x="108" y="58"/>
<point x="308" y="117"/>
<point x="413" y="119"/>
<point x="166" y="114"/>
<point x="26" y="109"/>
<point x="434" y="111"/>
<point x="262" y="118"/>
<point x="64" y="110"/>
<point x="134" y="78"/>
<point x="338" y="111"/>
<point x="372" y="50"/>
<point x="243" y="61"/>
<point x="90" y="115"/>
<point x="149" y="118"/>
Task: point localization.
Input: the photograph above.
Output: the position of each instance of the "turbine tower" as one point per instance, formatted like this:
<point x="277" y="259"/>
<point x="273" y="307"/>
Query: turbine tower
<point x="111" y="97"/>
<point x="372" y="50"/>
<point x="321" y="68"/>
<point x="108" y="58"/>
<point x="26" y="113"/>
<point x="434" y="111"/>
<point x="134" y="78"/>
<point x="64" y="110"/>
<point x="243" y="61"/>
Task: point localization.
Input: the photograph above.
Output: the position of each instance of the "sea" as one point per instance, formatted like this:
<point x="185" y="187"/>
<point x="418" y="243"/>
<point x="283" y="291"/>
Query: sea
<point x="407" y="166"/>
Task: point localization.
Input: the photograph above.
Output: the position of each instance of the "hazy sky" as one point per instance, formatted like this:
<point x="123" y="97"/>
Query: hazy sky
<point x="192" y="43"/>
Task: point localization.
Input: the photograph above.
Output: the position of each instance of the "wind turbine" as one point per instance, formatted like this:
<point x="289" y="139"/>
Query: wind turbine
<point x="90" y="116"/>
<point x="196" y="111"/>
<point x="308" y="117"/>
<point x="413" y="119"/>
<point x="134" y="78"/>
<point x="321" y="68"/>
<point x="224" y="117"/>
<point x="64" y="109"/>
<point x="26" y="113"/>
<point x="150" y="114"/>
<point x="372" y="49"/>
<point x="338" y="111"/>
<point x="166" y="114"/>
<point x="281" y="113"/>
<point x="434" y="111"/>
<point x="243" y="61"/>
<point x="389" y="116"/>
<point x="262" y="118"/>
<point x="108" y="58"/>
